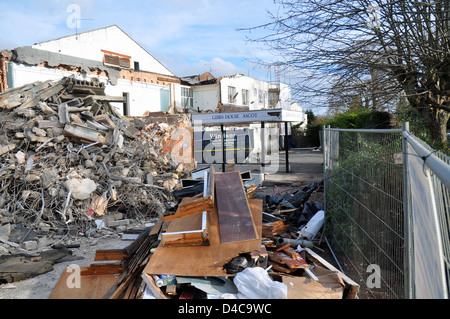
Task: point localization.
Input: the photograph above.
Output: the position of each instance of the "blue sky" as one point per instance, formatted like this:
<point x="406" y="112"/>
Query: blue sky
<point x="189" y="37"/>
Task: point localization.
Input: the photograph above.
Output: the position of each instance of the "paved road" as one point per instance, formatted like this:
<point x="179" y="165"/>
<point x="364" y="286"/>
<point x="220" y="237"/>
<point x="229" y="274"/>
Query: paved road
<point x="306" y="166"/>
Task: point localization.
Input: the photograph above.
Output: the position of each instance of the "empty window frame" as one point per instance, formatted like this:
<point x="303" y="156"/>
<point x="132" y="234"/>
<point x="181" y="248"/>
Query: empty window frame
<point x="245" y="97"/>
<point x="116" y="59"/>
<point x="260" y="96"/>
<point x="187" y="99"/>
<point x="231" y="94"/>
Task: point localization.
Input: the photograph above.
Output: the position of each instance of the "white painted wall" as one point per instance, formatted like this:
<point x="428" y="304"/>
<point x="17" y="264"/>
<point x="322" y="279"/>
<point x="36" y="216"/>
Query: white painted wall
<point x="88" y="45"/>
<point x="285" y="97"/>
<point x="25" y="74"/>
<point x="206" y="97"/>
<point x="252" y="85"/>
<point x="143" y="96"/>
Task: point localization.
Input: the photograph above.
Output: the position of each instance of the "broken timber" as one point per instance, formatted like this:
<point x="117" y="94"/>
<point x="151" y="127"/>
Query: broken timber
<point x="191" y="231"/>
<point x="198" y="205"/>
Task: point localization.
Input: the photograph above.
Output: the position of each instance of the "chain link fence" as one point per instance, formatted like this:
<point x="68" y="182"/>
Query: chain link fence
<point x="378" y="213"/>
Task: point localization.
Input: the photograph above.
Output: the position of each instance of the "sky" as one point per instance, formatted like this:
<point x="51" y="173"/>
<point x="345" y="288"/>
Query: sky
<point x="188" y="36"/>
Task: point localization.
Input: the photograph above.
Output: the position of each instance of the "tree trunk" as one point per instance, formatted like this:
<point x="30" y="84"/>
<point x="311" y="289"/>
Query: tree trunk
<point x="436" y="122"/>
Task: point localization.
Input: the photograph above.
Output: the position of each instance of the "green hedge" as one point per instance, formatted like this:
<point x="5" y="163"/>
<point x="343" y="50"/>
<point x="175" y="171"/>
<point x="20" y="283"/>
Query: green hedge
<point x="351" y="119"/>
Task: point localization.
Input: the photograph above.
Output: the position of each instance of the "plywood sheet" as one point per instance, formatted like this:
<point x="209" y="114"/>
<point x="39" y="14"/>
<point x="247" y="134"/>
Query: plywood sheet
<point x="91" y="286"/>
<point x="235" y="219"/>
<point x="205" y="260"/>
<point x="328" y="287"/>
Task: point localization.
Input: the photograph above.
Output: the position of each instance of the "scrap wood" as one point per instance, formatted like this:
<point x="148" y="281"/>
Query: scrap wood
<point x="284" y="259"/>
<point x="192" y="207"/>
<point x="204" y="260"/>
<point x="274" y="228"/>
<point x="139" y="254"/>
<point x="198" y="205"/>
<point x="235" y="219"/>
<point x="150" y="282"/>
<point x="278" y="267"/>
<point x="351" y="287"/>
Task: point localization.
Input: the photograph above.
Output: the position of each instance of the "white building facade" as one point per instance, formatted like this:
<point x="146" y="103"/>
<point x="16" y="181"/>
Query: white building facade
<point x="107" y="54"/>
<point x="240" y="91"/>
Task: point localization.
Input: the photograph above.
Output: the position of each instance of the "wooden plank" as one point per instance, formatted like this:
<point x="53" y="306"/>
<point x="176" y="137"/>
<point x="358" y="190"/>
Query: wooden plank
<point x="198" y="205"/>
<point x="102" y="269"/>
<point x="278" y="267"/>
<point x="300" y="287"/>
<point x="110" y="254"/>
<point x="104" y="119"/>
<point x="351" y="287"/>
<point x="235" y="220"/>
<point x="204" y="260"/>
<point x="43" y="95"/>
<point x="49" y="124"/>
<point x="192" y="207"/>
<point x="150" y="282"/>
<point x="91" y="287"/>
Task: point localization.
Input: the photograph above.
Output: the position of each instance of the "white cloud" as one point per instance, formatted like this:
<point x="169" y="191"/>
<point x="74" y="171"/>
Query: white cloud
<point x="189" y="37"/>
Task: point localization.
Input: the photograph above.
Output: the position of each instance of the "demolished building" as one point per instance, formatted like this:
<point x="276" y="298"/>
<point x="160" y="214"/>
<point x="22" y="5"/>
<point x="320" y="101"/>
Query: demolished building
<point x="66" y="156"/>
<point x="107" y="55"/>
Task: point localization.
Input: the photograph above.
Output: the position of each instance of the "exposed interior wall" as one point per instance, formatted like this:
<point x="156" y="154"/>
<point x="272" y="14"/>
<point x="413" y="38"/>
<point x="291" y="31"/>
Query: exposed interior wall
<point x="143" y="96"/>
<point x="206" y="97"/>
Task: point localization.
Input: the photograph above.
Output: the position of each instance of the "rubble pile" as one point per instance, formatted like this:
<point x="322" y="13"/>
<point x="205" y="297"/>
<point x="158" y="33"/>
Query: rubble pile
<point x="68" y="158"/>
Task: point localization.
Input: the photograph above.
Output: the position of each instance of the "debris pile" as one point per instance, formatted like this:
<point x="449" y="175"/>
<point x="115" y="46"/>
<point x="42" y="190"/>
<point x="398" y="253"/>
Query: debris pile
<point x="68" y="160"/>
<point x="222" y="244"/>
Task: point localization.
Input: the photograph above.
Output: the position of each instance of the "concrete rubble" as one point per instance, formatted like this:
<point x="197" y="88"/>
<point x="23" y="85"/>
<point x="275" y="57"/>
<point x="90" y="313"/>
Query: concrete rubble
<point x="68" y="160"/>
<point x="70" y="165"/>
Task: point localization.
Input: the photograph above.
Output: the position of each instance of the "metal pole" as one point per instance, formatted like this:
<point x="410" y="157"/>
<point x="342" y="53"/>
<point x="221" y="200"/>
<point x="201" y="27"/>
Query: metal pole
<point x="263" y="149"/>
<point x="409" y="260"/>
<point x="223" y="147"/>
<point x="286" y="145"/>
<point x="434" y="163"/>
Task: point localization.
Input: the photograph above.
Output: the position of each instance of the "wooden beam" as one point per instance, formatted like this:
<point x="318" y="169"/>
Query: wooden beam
<point x="198" y="205"/>
<point x="150" y="282"/>
<point x="110" y="254"/>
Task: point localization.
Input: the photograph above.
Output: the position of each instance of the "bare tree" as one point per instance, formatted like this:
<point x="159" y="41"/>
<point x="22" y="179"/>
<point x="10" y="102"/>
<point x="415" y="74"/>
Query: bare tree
<point x="405" y="43"/>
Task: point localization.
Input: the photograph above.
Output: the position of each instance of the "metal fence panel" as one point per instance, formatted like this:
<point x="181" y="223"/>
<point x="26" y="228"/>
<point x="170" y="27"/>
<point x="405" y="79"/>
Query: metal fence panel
<point x="364" y="191"/>
<point x="428" y="259"/>
<point x="428" y="178"/>
<point x="387" y="208"/>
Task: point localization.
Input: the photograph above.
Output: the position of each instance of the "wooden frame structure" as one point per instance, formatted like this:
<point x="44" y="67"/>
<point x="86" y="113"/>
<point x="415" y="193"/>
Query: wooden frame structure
<point x="192" y="231"/>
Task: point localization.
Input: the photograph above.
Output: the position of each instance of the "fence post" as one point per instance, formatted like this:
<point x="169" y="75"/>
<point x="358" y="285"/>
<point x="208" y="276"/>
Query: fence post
<point x="408" y="236"/>
<point x="325" y="164"/>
